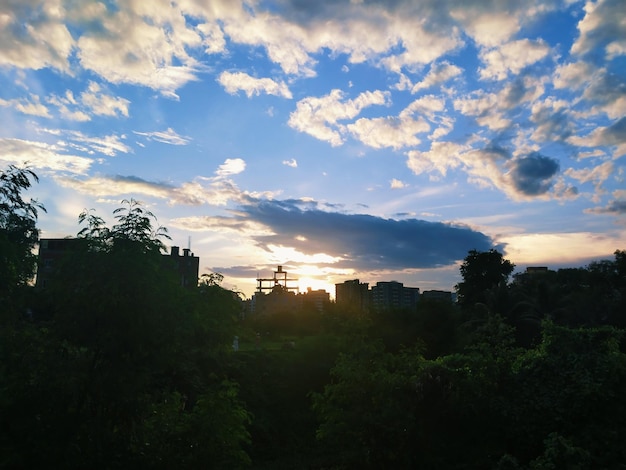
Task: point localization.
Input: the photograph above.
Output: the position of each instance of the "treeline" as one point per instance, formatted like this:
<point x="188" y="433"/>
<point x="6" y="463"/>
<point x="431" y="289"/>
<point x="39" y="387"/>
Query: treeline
<point x="115" y="365"/>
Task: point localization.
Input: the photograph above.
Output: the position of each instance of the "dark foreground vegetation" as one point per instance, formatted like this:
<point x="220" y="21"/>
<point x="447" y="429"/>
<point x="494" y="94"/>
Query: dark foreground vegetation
<point x="114" y="365"/>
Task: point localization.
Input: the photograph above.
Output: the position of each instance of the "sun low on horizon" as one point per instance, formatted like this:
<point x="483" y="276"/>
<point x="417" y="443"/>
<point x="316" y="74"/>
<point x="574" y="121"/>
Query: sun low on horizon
<point x="344" y="140"/>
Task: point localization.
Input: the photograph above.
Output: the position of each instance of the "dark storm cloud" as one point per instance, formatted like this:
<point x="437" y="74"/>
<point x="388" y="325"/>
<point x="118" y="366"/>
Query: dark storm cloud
<point x="364" y="241"/>
<point x="532" y="175"/>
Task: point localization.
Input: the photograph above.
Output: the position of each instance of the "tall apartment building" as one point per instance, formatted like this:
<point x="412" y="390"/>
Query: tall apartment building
<point x="353" y="293"/>
<point x="319" y="298"/>
<point x="387" y="295"/>
<point x="187" y="266"/>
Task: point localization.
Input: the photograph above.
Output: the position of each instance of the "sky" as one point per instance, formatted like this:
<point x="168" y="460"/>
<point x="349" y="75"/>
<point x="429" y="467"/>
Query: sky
<point x="341" y="139"/>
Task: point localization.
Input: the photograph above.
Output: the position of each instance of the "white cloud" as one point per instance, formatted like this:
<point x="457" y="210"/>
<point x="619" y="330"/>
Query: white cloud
<point x="397" y="184"/>
<point x="143" y="43"/>
<point x="103" y="104"/>
<point x="320" y="117"/>
<point x="597" y="175"/>
<point x="441" y="157"/>
<point x="426" y="106"/>
<point x="602" y="26"/>
<point x="283" y="41"/>
<point x="292" y="163"/>
<point x="612" y="136"/>
<point x="220" y="224"/>
<point x="68" y="107"/>
<point x="213" y="191"/>
<point x="33" y="35"/>
<point x="484" y="107"/>
<point x="490" y="109"/>
<point x="572" y="75"/>
<point x="438" y="74"/>
<point x="31" y="106"/>
<point x="92" y="101"/>
<point x="604" y="91"/>
<point x="101" y="186"/>
<point x="511" y="58"/>
<point x="487" y="28"/>
<point x="233" y="82"/>
<point x="157" y="45"/>
<point x="213" y="38"/>
<point x="389" y="131"/>
<point x="231" y="166"/>
<point x="552" y="120"/>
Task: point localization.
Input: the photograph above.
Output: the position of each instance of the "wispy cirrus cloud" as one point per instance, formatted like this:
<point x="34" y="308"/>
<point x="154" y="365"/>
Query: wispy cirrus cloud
<point x="41" y="155"/>
<point x="168" y="136"/>
<point x="108" y="145"/>
<point x="217" y="190"/>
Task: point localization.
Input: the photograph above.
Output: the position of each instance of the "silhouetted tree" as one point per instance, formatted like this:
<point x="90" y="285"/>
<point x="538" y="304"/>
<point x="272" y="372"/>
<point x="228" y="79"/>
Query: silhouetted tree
<point x="18" y="232"/>
<point x="481" y="271"/>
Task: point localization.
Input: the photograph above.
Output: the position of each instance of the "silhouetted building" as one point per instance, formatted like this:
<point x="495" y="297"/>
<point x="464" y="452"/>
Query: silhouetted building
<point x="52" y="250"/>
<point x="411" y="296"/>
<point x="388" y="295"/>
<point x="281" y="297"/>
<point x="319" y="298"/>
<point x="536" y="269"/>
<point x="187" y="266"/>
<point x="279" y="300"/>
<point x="280" y="279"/>
<point x="353" y="293"/>
<point x="440" y="295"/>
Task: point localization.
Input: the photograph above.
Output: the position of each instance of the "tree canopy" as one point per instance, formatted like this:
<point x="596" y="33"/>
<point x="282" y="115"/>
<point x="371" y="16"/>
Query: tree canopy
<point x="481" y="271"/>
<point x="18" y="230"/>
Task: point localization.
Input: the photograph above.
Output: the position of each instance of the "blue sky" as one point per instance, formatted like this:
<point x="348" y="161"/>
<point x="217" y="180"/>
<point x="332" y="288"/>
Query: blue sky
<point x="342" y="139"/>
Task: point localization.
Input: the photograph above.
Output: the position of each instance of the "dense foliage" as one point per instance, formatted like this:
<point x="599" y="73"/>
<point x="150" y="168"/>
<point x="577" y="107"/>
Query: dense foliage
<point x="116" y="365"/>
<point x="18" y="233"/>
